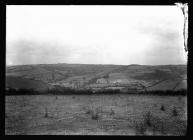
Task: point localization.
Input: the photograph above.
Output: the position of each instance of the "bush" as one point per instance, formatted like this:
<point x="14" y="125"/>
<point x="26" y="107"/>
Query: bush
<point x="174" y="112"/>
<point x="89" y="111"/>
<point x="94" y="112"/>
<point x="148" y="122"/>
<point x="140" y="128"/>
<point x="112" y="112"/>
<point x="95" y="116"/>
<point x="162" y="108"/>
<point x="148" y="118"/>
<point x="46" y="113"/>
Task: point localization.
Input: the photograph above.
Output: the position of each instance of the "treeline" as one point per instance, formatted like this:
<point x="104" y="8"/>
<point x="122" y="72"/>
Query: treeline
<point x="165" y="92"/>
<point x="21" y="91"/>
<point x="69" y="91"/>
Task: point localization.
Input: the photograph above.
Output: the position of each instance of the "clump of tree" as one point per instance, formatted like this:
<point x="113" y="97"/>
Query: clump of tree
<point x="21" y="91"/>
<point x="108" y="91"/>
<point x="70" y="91"/>
<point x="164" y="92"/>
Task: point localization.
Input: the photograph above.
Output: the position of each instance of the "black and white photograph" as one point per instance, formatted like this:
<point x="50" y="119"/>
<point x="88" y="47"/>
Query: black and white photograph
<point x="96" y="70"/>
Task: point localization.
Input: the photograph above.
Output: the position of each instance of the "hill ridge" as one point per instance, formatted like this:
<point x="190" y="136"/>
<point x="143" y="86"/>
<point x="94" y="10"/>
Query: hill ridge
<point x="94" y="76"/>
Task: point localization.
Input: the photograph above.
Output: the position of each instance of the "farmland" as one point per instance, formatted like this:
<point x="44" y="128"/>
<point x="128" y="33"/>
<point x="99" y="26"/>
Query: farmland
<point x="89" y="76"/>
<point x="120" y="114"/>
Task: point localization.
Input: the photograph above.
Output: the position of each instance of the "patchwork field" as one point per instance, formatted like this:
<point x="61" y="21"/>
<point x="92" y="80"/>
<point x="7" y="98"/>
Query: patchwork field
<point x="96" y="115"/>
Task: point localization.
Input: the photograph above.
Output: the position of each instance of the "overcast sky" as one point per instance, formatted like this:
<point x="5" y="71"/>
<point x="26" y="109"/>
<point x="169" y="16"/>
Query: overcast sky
<point x="148" y="35"/>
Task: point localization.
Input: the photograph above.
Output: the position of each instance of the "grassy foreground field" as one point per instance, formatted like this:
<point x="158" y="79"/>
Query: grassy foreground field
<point x="96" y="115"/>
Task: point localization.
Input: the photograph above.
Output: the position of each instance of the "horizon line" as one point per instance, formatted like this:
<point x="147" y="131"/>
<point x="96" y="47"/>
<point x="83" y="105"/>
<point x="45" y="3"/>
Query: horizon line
<point x="93" y="64"/>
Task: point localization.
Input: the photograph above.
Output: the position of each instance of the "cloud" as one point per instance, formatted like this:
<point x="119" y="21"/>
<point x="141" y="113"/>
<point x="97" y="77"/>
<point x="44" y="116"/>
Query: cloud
<point x="32" y="52"/>
<point x="103" y="35"/>
<point x="166" y="44"/>
<point x="37" y="52"/>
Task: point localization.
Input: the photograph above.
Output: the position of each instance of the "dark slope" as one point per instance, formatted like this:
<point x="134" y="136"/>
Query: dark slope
<point x="19" y="82"/>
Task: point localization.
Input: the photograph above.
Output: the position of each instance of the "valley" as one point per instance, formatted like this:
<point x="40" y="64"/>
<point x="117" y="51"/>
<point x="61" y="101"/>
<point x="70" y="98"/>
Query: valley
<point x="97" y="77"/>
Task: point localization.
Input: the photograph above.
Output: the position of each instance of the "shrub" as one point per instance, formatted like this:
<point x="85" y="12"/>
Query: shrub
<point x="112" y="112"/>
<point x="89" y="111"/>
<point x="162" y="128"/>
<point x="174" y="112"/>
<point x="95" y="116"/>
<point x="140" y="128"/>
<point x="148" y="118"/>
<point x="94" y="113"/>
<point x="162" y="108"/>
<point x="143" y="125"/>
<point x="159" y="126"/>
<point x="46" y="113"/>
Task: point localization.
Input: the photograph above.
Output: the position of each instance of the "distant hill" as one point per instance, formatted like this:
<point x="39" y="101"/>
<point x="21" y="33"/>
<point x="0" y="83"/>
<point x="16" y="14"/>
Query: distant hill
<point x="43" y="76"/>
<point x="19" y="82"/>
